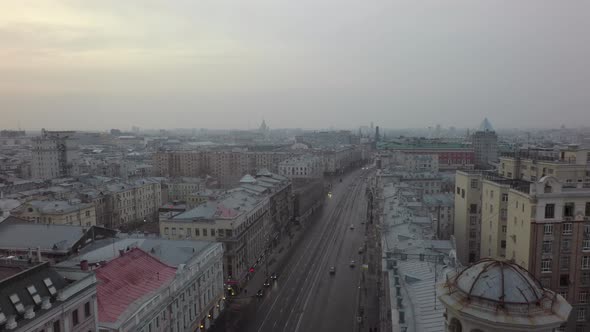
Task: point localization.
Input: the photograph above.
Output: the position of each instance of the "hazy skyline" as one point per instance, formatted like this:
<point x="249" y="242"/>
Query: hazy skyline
<point x="306" y="63"/>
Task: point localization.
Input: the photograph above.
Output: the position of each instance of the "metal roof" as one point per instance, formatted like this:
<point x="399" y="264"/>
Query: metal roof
<point x="23" y="235"/>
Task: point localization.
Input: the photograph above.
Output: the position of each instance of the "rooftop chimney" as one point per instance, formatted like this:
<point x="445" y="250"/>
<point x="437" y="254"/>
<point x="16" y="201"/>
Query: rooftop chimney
<point x="38" y="254"/>
<point x="11" y="324"/>
<point x="30" y="313"/>
<point x="84" y="265"/>
<point x="46" y="304"/>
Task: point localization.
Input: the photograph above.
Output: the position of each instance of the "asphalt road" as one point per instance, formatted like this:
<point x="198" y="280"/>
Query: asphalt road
<point x="306" y="297"/>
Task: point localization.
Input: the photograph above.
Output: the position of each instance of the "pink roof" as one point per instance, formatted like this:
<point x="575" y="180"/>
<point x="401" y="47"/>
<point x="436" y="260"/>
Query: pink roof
<point x="126" y="279"/>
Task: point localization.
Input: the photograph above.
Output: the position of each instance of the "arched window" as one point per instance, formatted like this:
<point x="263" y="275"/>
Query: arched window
<point x="455" y="325"/>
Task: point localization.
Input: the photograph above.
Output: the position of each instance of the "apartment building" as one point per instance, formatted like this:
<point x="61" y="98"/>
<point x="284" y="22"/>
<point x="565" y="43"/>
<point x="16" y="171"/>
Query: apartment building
<point x="187" y="294"/>
<point x="542" y="225"/>
<point x="37" y="297"/>
<point x="227" y="167"/>
<point x="240" y="219"/>
<point x="451" y="156"/>
<point x="570" y="166"/>
<point x="467" y="229"/>
<point x="302" y="167"/>
<point x="179" y="189"/>
<point x="134" y="201"/>
<point x="53" y="154"/>
<point x="72" y="212"/>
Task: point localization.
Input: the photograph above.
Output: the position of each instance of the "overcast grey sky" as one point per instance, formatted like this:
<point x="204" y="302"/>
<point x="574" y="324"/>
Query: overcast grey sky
<point x="297" y="63"/>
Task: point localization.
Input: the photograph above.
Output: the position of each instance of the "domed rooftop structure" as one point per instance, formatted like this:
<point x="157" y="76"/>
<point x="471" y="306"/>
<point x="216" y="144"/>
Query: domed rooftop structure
<point x="500" y="295"/>
<point x="486" y="125"/>
<point x="499" y="281"/>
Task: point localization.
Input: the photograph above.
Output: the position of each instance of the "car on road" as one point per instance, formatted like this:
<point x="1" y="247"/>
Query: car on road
<point x="332" y="270"/>
<point x="260" y="293"/>
<point x="266" y="283"/>
<point x="352" y="263"/>
<point x="274" y="276"/>
<point x="351" y="226"/>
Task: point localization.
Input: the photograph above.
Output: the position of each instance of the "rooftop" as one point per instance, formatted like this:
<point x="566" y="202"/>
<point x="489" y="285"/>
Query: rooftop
<point x="126" y="279"/>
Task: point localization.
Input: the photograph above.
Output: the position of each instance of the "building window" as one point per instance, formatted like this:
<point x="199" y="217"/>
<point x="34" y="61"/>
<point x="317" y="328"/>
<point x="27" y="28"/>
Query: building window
<point x="547" y="229"/>
<point x="583" y="298"/>
<point x="491" y="208"/>
<point x="473" y="208"/>
<point x="504" y="197"/>
<point x="57" y="326"/>
<point x="586" y="244"/>
<point x="197" y="232"/>
<point x="563" y="293"/>
<point x="587" y="211"/>
<point x="462" y="193"/>
<point x="546" y="282"/>
<point x="547" y="247"/>
<point x="87" y="309"/>
<point x="474" y="183"/>
<point x="75" y="320"/>
<point x="504" y="227"/>
<point x="472" y="234"/>
<point x="503" y="214"/>
<point x="473" y="220"/>
<point x="166" y="230"/>
<point x="188" y="232"/>
<point x="458" y="191"/>
<point x="566" y="245"/>
<point x="568" y="210"/>
<point x="585" y="279"/>
<point x="581" y="317"/>
<point x="564" y="263"/>
<point x="204" y="231"/>
<point x="567" y="228"/>
<point x="564" y="280"/>
<point x="503" y="244"/>
<point x="585" y="262"/>
<point x="549" y="211"/>
<point x="173" y="231"/>
<point x="546" y="265"/>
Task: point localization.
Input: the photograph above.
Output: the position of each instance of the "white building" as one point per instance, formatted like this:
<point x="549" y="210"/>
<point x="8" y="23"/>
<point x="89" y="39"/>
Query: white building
<point x="187" y="293"/>
<point x="53" y="154"/>
<point x="302" y="167"/>
<point x="496" y="295"/>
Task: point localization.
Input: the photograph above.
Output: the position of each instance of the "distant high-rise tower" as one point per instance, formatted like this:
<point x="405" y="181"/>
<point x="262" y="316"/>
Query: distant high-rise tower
<point x="485" y="145"/>
<point x="377" y="137"/>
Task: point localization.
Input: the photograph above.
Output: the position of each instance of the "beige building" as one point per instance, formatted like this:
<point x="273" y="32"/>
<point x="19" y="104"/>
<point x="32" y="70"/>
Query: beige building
<point x="571" y="166"/>
<point x="57" y="212"/>
<point x="134" y="201"/>
<point x="541" y="225"/>
<point x="468" y="216"/>
<point x="53" y="155"/>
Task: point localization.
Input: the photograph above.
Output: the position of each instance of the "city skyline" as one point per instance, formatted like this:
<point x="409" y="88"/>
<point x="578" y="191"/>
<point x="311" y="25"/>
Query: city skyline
<point x="309" y="64"/>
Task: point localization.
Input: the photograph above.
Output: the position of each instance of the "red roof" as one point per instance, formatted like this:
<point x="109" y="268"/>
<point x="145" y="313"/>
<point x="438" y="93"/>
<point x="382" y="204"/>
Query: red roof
<point x="126" y="279"/>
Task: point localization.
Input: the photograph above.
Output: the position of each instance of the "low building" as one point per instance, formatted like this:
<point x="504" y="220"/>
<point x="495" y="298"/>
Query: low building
<point x="149" y="284"/>
<point x="37" y="297"/>
<point x="26" y="240"/>
<point x="72" y="212"/>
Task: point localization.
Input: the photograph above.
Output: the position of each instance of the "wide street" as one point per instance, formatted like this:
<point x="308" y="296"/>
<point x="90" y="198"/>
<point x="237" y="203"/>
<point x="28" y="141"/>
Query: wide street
<point x="306" y="297"/>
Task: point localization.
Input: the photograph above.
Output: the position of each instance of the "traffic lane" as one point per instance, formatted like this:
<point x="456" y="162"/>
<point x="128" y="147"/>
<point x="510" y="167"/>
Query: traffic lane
<point x="321" y="259"/>
<point x="289" y="289"/>
<point x="334" y="306"/>
<point x="292" y="320"/>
